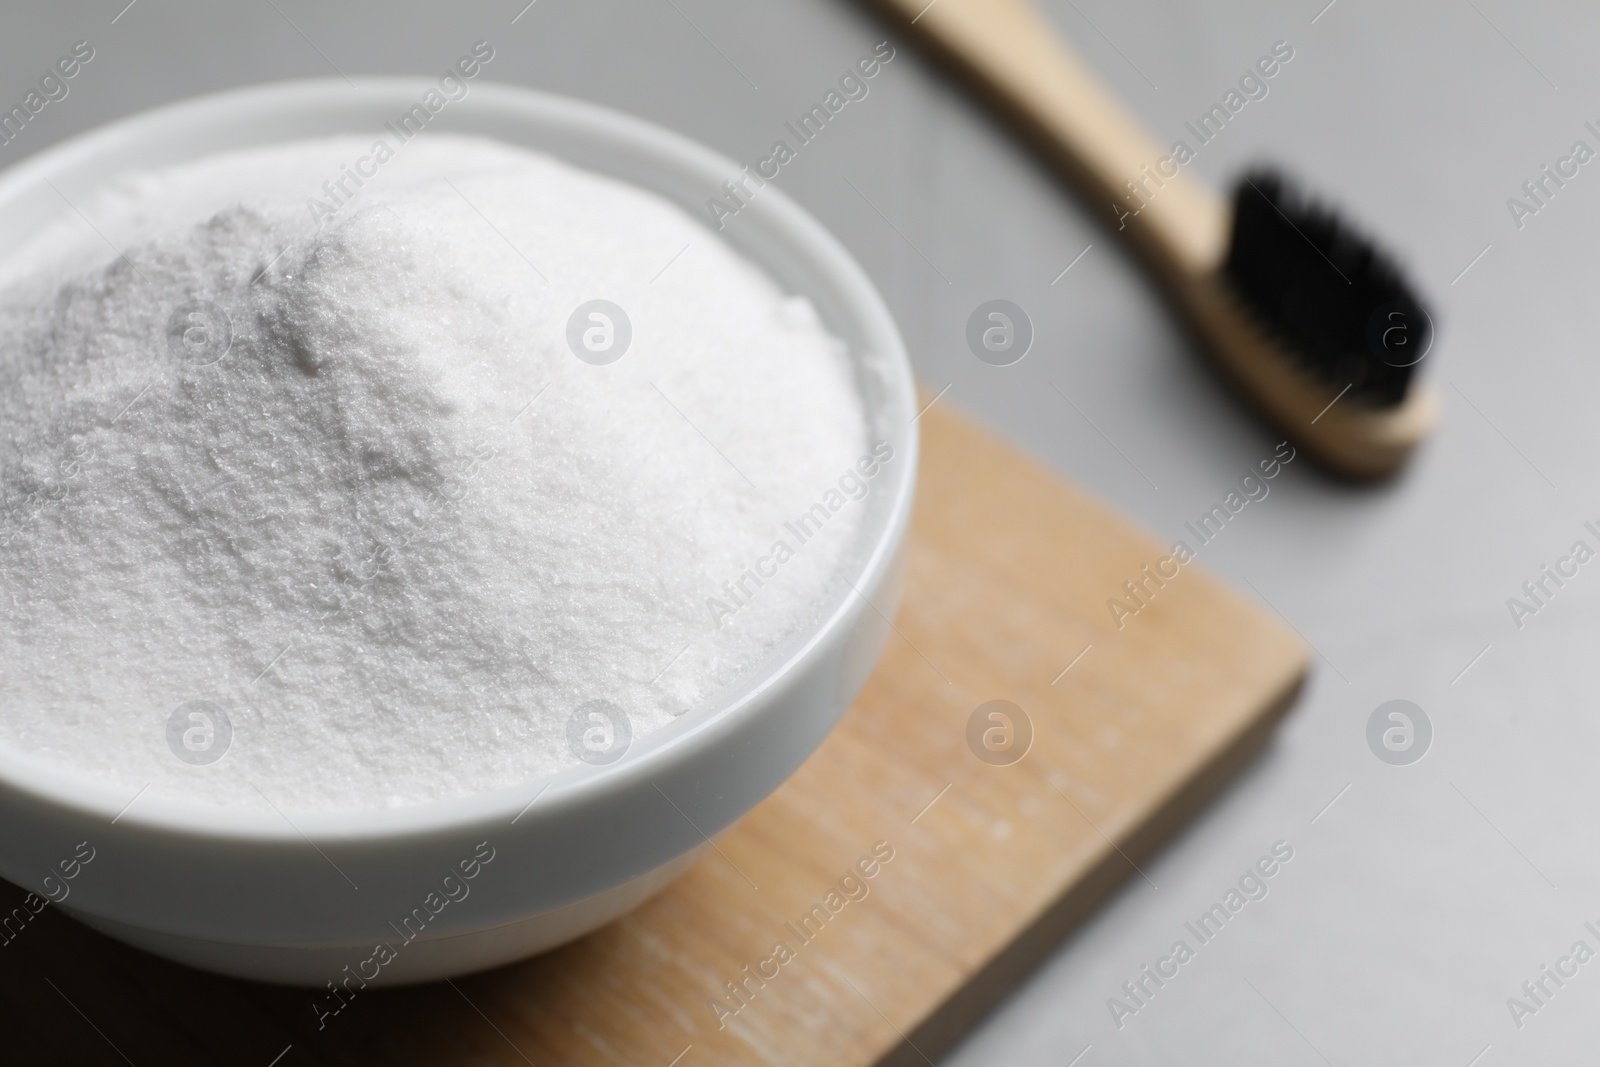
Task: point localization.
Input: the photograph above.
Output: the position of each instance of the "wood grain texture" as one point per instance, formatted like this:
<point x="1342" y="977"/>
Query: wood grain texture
<point x="1014" y="57"/>
<point x="1009" y="573"/>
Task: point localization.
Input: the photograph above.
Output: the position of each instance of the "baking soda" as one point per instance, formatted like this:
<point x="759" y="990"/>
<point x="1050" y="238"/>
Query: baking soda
<point x="437" y="496"/>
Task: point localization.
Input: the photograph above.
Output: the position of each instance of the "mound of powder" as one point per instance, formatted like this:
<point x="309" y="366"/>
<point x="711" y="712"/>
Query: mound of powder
<point x="341" y="482"/>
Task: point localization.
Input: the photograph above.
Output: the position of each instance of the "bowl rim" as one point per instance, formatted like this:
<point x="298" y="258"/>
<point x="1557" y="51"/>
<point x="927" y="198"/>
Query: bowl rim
<point x="36" y="782"/>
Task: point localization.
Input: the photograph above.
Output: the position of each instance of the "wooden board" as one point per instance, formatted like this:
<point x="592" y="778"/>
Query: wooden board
<point x="1009" y="573"/>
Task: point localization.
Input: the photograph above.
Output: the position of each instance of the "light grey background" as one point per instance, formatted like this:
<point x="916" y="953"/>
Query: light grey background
<point x="1422" y="899"/>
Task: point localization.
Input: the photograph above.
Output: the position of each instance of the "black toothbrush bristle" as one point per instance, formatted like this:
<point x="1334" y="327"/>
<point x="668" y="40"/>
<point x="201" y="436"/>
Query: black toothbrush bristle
<point x="1325" y="292"/>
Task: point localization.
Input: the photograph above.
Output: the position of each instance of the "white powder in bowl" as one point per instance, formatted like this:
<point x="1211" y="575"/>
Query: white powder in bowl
<point x="346" y="493"/>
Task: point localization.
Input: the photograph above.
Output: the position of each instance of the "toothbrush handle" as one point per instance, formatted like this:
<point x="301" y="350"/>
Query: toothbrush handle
<point x="1017" y="57"/>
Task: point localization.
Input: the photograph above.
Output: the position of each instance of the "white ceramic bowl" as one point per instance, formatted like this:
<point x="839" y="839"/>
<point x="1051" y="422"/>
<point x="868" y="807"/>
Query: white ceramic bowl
<point x="247" y="893"/>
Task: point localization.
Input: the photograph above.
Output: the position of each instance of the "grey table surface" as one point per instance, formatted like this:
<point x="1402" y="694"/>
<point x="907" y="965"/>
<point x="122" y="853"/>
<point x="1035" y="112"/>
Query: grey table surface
<point x="1419" y="898"/>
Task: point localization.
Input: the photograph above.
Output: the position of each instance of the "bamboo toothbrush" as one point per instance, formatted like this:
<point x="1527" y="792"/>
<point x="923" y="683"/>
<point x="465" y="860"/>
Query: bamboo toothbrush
<point x="1309" y="320"/>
